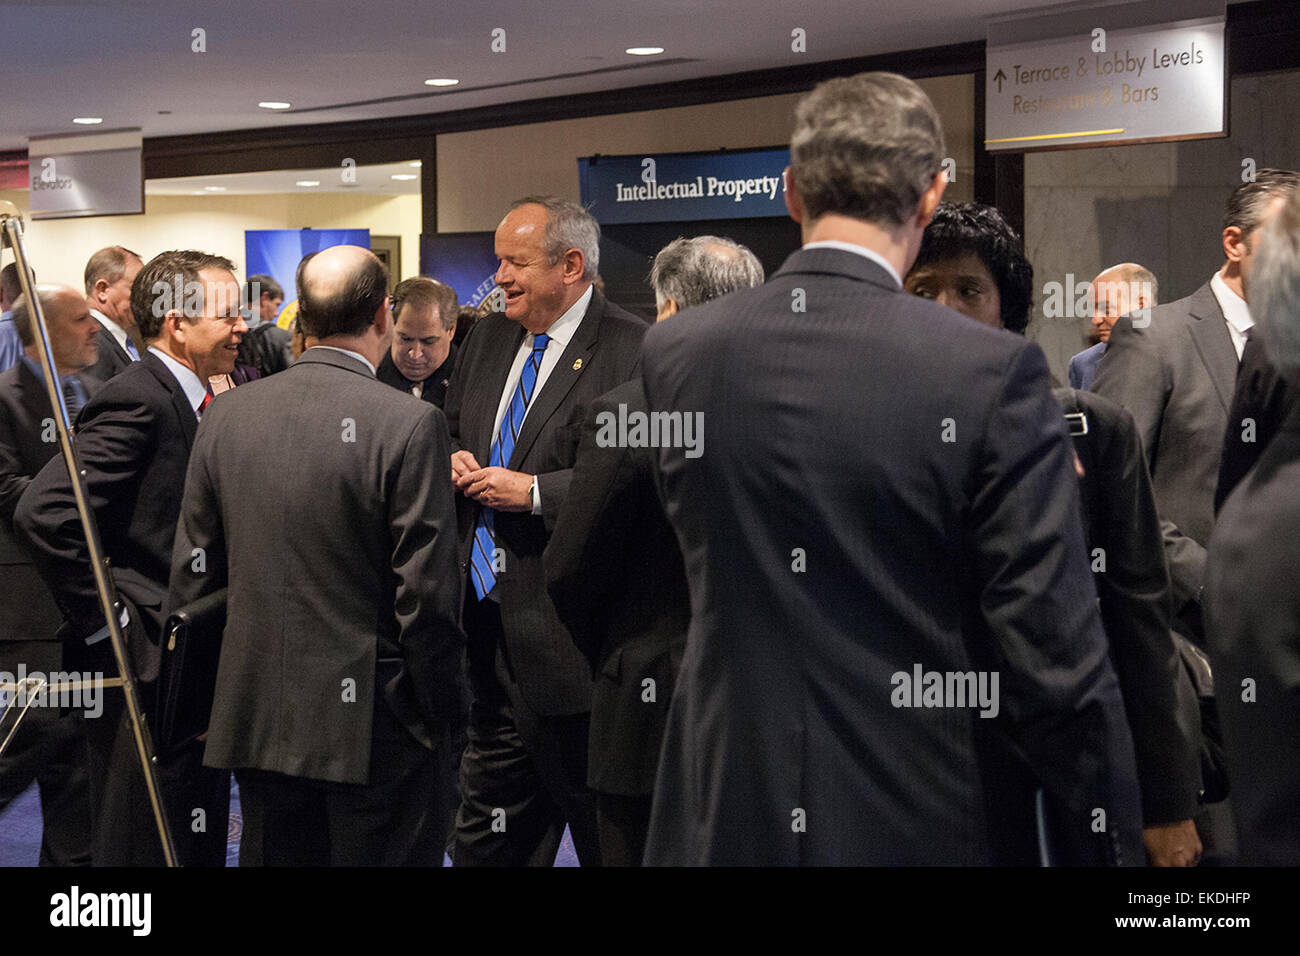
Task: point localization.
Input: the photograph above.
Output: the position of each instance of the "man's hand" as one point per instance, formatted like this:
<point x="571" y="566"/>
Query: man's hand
<point x="499" y="489"/>
<point x="463" y="463"/>
<point x="1172" y="844"/>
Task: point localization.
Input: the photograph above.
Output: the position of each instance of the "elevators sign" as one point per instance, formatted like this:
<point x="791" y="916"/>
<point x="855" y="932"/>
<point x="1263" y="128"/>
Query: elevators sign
<point x="76" y="176"/>
<point x="1106" y="75"/>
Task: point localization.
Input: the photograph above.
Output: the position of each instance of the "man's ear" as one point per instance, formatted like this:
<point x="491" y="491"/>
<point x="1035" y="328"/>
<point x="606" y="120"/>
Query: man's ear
<point x="383" y="320"/>
<point x="1234" y="244"/>
<point x="793" y="204"/>
<point x="574" y="265"/>
<point x="100" y="290"/>
<point x="930" y="199"/>
<point x="173" y="325"/>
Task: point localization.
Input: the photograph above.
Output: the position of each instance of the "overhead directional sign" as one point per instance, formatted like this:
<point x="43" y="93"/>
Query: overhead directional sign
<point x="72" y="177"/>
<point x="1104" y="75"/>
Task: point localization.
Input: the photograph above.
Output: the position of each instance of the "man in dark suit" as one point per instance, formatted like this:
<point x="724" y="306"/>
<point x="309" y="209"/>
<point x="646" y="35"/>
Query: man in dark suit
<point x="133" y="440"/>
<point x="615" y="572"/>
<point x="1252" y="587"/>
<point x="1175" y="371"/>
<point x="109" y="275"/>
<point x="893" y="638"/>
<point x="333" y="703"/>
<point x="1119" y="290"/>
<point x="1261" y="404"/>
<point x="421" y="357"/>
<point x="49" y="749"/>
<point x="515" y="407"/>
<point x="267" y="347"/>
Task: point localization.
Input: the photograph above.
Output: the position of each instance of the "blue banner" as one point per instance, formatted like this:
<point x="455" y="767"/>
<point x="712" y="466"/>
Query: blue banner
<point x="671" y="187"/>
<point x="465" y="261"/>
<point x="277" y="252"/>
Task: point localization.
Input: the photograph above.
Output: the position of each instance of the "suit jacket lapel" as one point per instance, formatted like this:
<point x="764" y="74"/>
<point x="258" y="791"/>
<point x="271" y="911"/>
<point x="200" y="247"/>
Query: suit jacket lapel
<point x="1214" y="343"/>
<point x="498" y="370"/>
<point x="184" y="411"/>
<point x="573" y="362"/>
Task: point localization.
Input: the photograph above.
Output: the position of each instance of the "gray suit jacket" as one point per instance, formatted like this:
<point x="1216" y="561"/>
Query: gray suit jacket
<point x="341" y="572"/>
<point x="552" y="674"/>
<point x="836" y="542"/>
<point x="1176" y="376"/>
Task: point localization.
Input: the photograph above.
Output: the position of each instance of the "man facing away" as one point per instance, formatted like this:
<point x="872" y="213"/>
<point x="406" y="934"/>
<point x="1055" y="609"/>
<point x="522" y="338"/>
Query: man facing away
<point x="340" y="668"/>
<point x="893" y="640"/>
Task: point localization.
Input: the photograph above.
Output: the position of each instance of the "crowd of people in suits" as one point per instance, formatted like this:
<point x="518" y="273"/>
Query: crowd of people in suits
<point x="464" y="618"/>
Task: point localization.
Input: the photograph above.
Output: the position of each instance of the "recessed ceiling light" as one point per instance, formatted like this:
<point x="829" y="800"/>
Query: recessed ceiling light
<point x="441" y="81"/>
<point x="88" y="120"/>
<point x="215" y="189"/>
<point x="405" y="177"/>
<point x="274" y="105"/>
<point x="307" y="182"/>
<point x="416" y="165"/>
<point x="643" y="50"/>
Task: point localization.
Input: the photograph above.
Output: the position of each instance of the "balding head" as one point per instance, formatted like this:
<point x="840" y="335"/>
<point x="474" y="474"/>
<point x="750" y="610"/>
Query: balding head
<point x="74" y="335"/>
<point x="1120" y="290"/>
<point x="342" y="291"/>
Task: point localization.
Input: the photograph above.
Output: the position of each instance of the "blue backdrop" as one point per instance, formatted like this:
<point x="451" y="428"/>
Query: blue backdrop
<point x="277" y="252"/>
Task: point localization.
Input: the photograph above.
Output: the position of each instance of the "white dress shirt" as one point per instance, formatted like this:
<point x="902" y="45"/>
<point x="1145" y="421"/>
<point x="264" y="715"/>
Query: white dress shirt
<point x="561" y="333"/>
<point x="1235" y="310"/>
<point x="195" y="390"/>
<point x="863" y="251"/>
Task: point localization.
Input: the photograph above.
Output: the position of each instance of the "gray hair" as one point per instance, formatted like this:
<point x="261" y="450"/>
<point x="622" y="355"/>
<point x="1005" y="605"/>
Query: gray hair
<point x="691" y="271"/>
<point x="1275" y="286"/>
<point x="108" y="264"/>
<point x="568" y="226"/>
<point x="866" y="146"/>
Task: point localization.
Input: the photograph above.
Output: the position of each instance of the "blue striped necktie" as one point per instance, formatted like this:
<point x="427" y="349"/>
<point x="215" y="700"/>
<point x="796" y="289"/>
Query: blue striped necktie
<point x="482" y="571"/>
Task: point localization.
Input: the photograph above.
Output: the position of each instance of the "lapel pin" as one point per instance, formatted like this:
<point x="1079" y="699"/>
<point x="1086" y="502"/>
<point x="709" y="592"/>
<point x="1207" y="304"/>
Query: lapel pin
<point x="577" y="364"/>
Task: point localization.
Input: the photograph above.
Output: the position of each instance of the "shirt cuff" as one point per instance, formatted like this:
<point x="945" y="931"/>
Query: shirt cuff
<point x="537" y="496"/>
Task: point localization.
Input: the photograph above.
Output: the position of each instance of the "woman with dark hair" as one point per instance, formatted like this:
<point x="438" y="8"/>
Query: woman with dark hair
<point x="972" y="260"/>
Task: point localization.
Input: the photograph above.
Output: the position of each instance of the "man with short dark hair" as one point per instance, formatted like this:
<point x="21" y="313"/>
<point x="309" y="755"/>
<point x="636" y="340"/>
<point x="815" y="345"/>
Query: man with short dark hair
<point x="894" y="639"/>
<point x="615" y="572"/>
<point x="108" y="277"/>
<point x="267" y="347"/>
<point x="48" y="749"/>
<point x="421" y="357"/>
<point x="333" y="703"/>
<point x="133" y="440"/>
<point x="516" y="404"/>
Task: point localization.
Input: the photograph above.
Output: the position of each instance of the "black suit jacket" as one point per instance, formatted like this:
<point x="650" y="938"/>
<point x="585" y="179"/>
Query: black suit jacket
<point x="112" y="358"/>
<point x="27" y="442"/>
<point x="1120" y="519"/>
<point x="552" y="674"/>
<point x="133" y="439"/>
<point x="1176" y="376"/>
<point x="1261" y="403"/>
<point x="435" y="386"/>
<point x="886" y="486"/>
<point x="342" y="579"/>
<point x="1252" y="601"/>
<point x="615" y="573"/>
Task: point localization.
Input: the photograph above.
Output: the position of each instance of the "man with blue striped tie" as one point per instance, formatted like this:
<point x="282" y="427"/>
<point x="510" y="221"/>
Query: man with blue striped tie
<point x="516" y="402"/>
<point x="108" y="277"/>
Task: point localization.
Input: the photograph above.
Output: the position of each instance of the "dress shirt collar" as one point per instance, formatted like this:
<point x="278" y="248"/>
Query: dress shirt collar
<point x="356" y="355"/>
<point x="562" y="329"/>
<point x="1234" y="307"/>
<point x="857" y="250"/>
<point x="195" y="390"/>
<point x="114" y="329"/>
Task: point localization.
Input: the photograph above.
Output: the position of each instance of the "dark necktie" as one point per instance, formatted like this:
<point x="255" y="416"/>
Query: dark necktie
<point x="71" y="398"/>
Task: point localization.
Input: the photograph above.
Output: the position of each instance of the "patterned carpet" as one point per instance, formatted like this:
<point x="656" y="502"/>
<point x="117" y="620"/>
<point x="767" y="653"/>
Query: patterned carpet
<point x="20" y="833"/>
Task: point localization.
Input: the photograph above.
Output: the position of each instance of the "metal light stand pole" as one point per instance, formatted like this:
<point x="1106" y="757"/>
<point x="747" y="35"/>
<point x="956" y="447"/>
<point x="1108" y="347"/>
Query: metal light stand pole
<point x="12" y="236"/>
